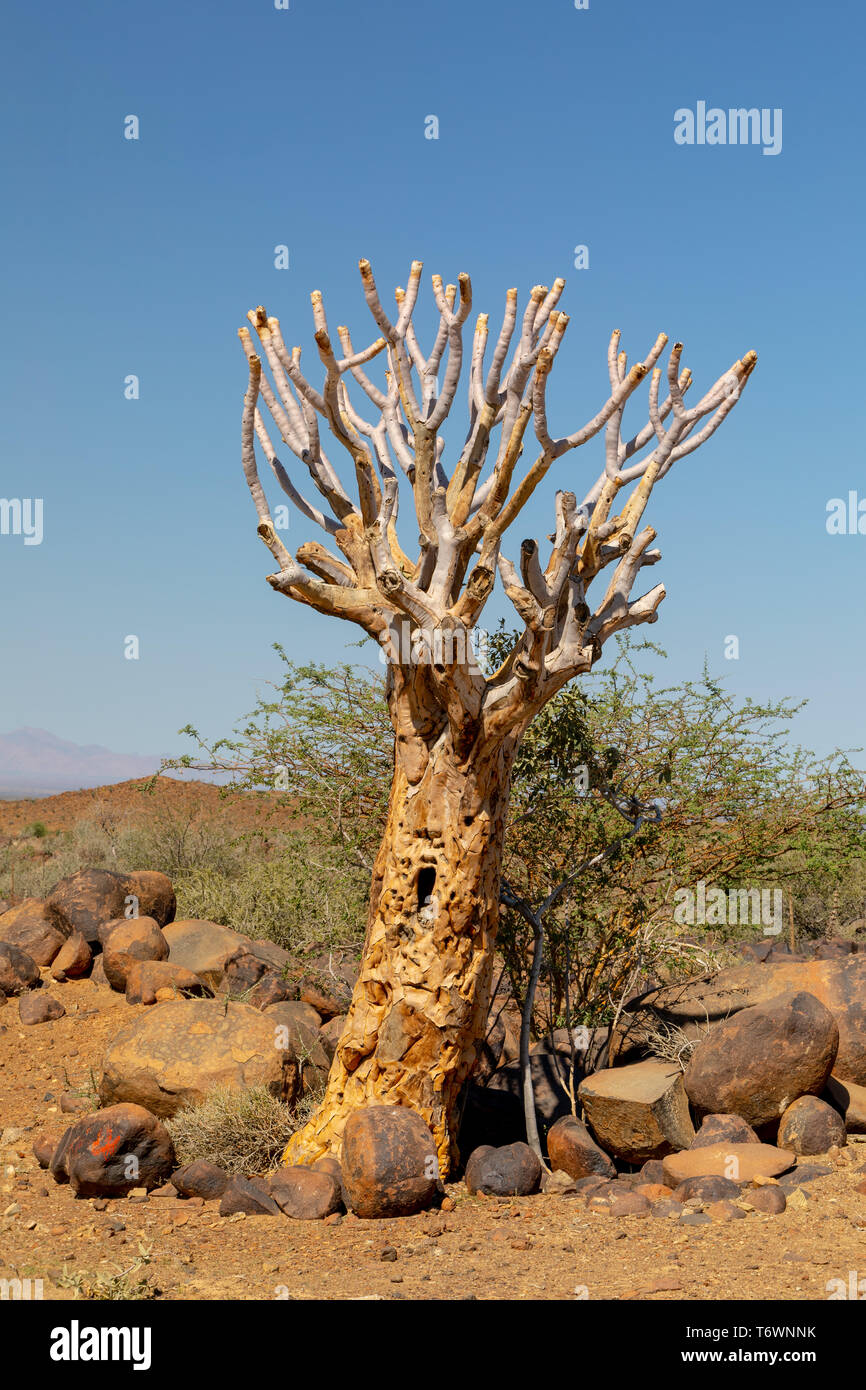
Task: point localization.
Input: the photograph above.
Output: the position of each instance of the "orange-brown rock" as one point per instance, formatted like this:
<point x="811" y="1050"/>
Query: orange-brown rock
<point x="73" y="959"/>
<point x="86" y="900"/>
<point x="839" y="984"/>
<point x="759" y="1060"/>
<point x="154" y="895"/>
<point x="638" y="1112"/>
<point x="18" y="970"/>
<point x="134" y="938"/>
<point x="148" y="980"/>
<point x="810" y="1126"/>
<point x="389" y="1162"/>
<point x="571" y="1149"/>
<point x="176" y="1053"/>
<point x="306" y="1194"/>
<point x="33" y="927"/>
<point x="739" y="1162"/>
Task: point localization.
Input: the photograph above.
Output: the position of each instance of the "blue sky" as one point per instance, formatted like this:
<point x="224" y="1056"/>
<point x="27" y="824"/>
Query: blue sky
<point x="305" y="127"/>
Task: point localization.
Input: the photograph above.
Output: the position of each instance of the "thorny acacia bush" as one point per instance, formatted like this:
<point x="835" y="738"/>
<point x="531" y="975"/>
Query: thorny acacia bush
<point x="740" y="806"/>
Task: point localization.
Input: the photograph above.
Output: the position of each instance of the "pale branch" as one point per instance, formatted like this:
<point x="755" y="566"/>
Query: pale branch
<point x="463" y="515"/>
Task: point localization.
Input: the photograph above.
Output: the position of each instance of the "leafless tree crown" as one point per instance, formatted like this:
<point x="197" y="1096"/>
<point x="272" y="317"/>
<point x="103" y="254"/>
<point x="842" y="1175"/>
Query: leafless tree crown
<point x="391" y="432"/>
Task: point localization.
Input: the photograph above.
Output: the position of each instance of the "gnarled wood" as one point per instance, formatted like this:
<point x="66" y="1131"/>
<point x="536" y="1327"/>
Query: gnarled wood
<point x="420" y="1004"/>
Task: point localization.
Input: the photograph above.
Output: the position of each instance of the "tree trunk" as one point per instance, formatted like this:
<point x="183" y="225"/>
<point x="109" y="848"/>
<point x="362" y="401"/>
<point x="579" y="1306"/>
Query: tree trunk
<point x="420" y="1004"/>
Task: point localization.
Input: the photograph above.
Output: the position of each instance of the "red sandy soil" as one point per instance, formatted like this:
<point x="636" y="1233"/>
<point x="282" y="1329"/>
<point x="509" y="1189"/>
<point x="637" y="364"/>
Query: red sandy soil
<point x="523" y="1248"/>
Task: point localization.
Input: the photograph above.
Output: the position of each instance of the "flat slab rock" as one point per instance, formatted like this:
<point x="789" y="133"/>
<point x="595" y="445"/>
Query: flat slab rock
<point x="752" y="1161"/>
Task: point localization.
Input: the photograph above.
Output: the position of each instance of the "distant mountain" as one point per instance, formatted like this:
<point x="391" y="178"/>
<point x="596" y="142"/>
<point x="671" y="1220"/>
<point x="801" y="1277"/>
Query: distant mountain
<point x="34" y="762"/>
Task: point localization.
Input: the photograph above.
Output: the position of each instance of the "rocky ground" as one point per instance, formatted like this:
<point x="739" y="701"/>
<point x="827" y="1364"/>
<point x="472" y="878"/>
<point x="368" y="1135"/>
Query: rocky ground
<point x="543" y="1246"/>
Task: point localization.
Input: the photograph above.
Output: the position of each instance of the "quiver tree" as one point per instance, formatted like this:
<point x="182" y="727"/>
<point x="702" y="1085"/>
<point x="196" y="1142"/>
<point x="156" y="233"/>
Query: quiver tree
<point x="420" y="1003"/>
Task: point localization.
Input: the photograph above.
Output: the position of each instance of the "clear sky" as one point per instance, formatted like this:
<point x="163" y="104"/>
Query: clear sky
<point x="306" y="127"/>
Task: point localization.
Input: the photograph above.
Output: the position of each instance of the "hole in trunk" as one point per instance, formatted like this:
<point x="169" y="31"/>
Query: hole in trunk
<point x="426" y="884"/>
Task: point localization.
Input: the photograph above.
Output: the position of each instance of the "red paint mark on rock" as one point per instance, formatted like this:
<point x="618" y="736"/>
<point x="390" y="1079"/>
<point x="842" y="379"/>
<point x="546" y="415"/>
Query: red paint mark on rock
<point x="105" y="1143"/>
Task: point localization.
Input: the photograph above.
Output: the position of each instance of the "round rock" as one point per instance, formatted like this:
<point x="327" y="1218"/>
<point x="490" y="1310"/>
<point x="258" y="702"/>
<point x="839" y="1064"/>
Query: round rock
<point x="39" y="1007"/>
<point x="306" y="1194"/>
<point x="134" y="938"/>
<point x="810" y="1126"/>
<point x="511" y="1171"/>
<point x="572" y="1149"/>
<point x="724" y="1129"/>
<point x="33" y="928"/>
<point x="389" y="1162"/>
<point x="18" y="971"/>
<point x="113" y="1151"/>
<point x="176" y="1053"/>
<point x="759" y="1060"/>
<point x="200" y="1179"/>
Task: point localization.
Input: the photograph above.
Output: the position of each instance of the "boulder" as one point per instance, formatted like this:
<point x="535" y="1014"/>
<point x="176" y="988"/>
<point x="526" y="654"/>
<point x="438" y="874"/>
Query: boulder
<point x="652" y="1171"/>
<point x="771" y="1201"/>
<point x="200" y="1179"/>
<point x="804" y="1173"/>
<point x="202" y="947"/>
<point x="291" y="1027"/>
<point x="850" y="1100"/>
<point x="630" y="1204"/>
<point x="271" y="989"/>
<point x="724" y="1211"/>
<point x="834" y="948"/>
<point x="639" y="1111"/>
<point x="72" y="1104"/>
<point x="113" y="1151"/>
<point x="330" y="1034"/>
<point x="132" y="939"/>
<point x="707" y="1187"/>
<point x="18" y="971"/>
<point x="306" y="1194"/>
<point x="150" y="981"/>
<point x="37" y="1006"/>
<point x="810" y="1126"/>
<point x="33" y="928"/>
<point x="571" y="1149"/>
<point x="325" y="1002"/>
<point x="242" y="971"/>
<point x="73" y="960"/>
<point x="268" y="951"/>
<point x="85" y="901"/>
<point x="511" y="1171"/>
<point x="763" y="1057"/>
<point x="43" y="1148"/>
<point x="174" y="1054"/>
<point x="724" y="1129"/>
<point x="252" y="1198"/>
<point x="293" y="1013"/>
<point x="839" y="984"/>
<point x="389" y="1162"/>
<point x="154" y="895"/>
<point x="740" y="1162"/>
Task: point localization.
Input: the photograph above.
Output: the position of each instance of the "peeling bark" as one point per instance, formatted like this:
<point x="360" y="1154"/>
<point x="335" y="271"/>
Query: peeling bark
<point x="419" y="1008"/>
